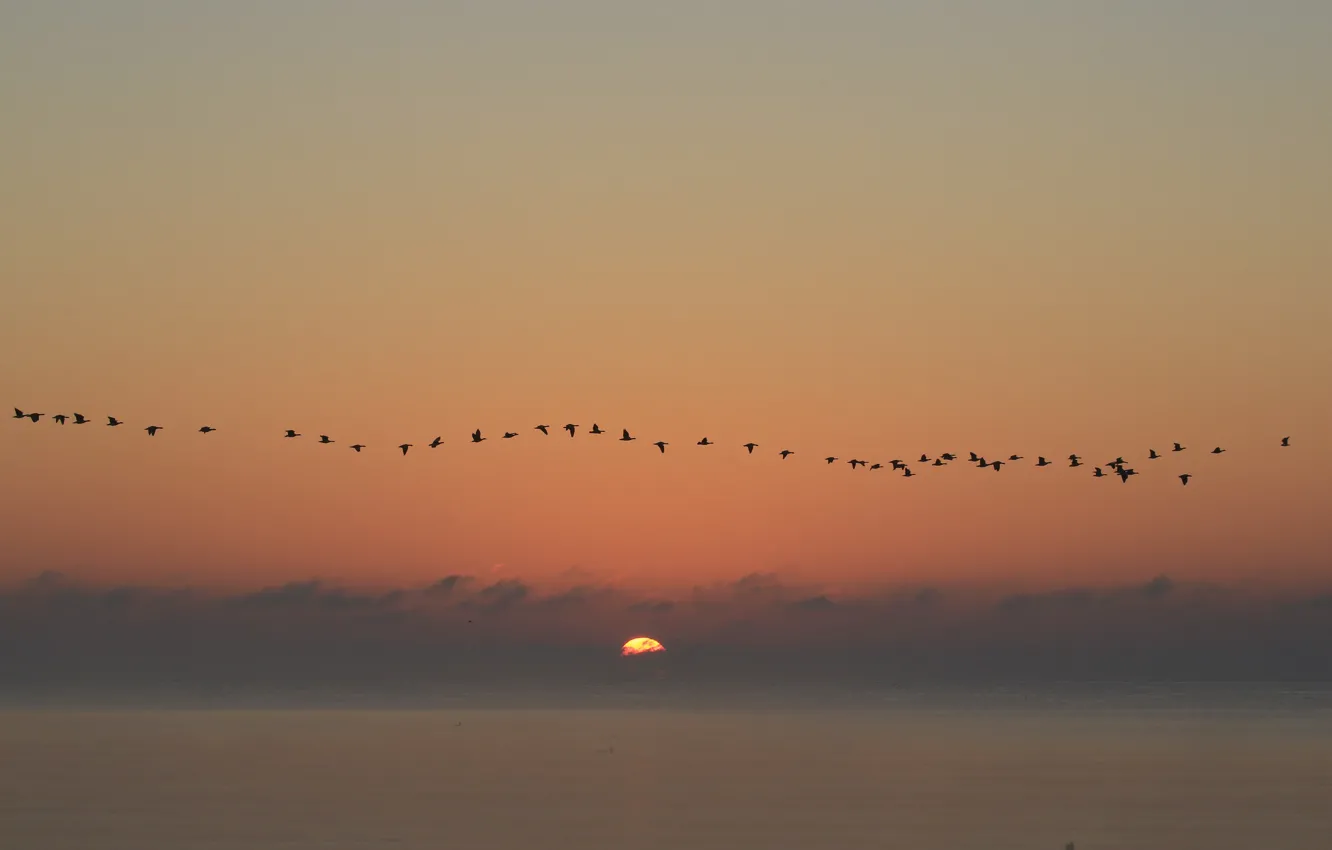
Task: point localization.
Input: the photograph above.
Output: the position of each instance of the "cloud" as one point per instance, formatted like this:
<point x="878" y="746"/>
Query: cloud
<point x="447" y="585"/>
<point x="814" y="603"/>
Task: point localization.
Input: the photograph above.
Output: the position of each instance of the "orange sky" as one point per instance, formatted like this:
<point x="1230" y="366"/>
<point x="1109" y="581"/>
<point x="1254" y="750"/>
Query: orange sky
<point x="854" y="232"/>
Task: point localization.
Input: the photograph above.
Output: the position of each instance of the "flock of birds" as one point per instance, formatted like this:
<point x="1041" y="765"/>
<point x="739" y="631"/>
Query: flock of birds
<point x="1118" y="466"/>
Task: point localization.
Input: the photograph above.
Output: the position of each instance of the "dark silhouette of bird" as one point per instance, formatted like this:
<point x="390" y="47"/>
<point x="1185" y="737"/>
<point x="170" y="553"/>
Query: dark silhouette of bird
<point x="981" y="462"/>
<point x="80" y="419"/>
<point x="207" y="429"/>
<point x="60" y="418"/>
<point x="435" y="443"/>
<point x="1074" y="460"/>
<point x="291" y="433"/>
<point x="924" y="459"/>
<point x="356" y="448"/>
<point x="153" y="429"/>
<point x="1040" y="461"/>
<point x="1218" y="450"/>
<point x="854" y="461"/>
<point x="323" y="438"/>
<point x="874" y="466"/>
<point x="405" y="447"/>
<point x="1016" y="457"/>
<point x="626" y="438"/>
<point x="906" y="472"/>
<point x="596" y="429"/>
<point x="974" y="458"/>
<point x="508" y="435"/>
<point x="1184" y="479"/>
<point x="1098" y="473"/>
<point x="661" y="444"/>
<point x="570" y="428"/>
<point x="1116" y="463"/>
<point x="112" y="422"/>
<point x="751" y="447"/>
<point x="938" y="461"/>
<point x="948" y="456"/>
<point x="1152" y="455"/>
<point x="897" y="463"/>
<point x="997" y="464"/>
<point x="1125" y="472"/>
<point x="785" y="453"/>
<point x="831" y="459"/>
<point x="545" y="429"/>
<point x="476" y="436"/>
<point x="704" y="442"/>
<point x="1285" y="442"/>
<point x="19" y="414"/>
<point x="1178" y="448"/>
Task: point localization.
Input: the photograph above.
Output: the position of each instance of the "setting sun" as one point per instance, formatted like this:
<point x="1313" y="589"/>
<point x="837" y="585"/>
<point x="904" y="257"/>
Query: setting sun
<point x="640" y="645"/>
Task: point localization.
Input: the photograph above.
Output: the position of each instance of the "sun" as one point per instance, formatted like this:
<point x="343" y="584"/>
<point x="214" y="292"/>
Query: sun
<point x="641" y="645"/>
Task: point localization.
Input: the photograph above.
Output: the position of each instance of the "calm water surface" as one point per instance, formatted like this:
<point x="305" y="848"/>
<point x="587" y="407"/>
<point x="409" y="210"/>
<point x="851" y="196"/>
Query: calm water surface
<point x="905" y="776"/>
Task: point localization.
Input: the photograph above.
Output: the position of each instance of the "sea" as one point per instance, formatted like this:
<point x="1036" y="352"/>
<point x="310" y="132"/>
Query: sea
<point x="1108" y="766"/>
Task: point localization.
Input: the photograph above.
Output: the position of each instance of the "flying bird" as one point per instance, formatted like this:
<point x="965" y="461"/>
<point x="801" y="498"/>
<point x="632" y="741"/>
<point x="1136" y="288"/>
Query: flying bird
<point x="853" y="462"/>
<point x="1184" y="479"/>
<point x="704" y="442"/>
<point x="570" y="428"/>
<point x="112" y="422"/>
<point x="1152" y="455"/>
<point x="896" y="463"/>
<point x="751" y="447"/>
<point x="997" y="464"/>
<point x="924" y="459"/>
<point x="153" y="429"/>
<point x="948" y="456"/>
<point x="1125" y="472"/>
<point x="291" y="433"/>
<point x="626" y="438"/>
<point x="1098" y="473"/>
<point x="938" y="461"/>
<point x="1285" y="442"/>
<point x="356" y="448"/>
<point x="80" y="419"/>
<point x="1074" y="460"/>
<point x="973" y="457"/>
<point x="476" y="436"/>
<point x="874" y="466"/>
<point x="906" y="472"/>
<point x="545" y="429"/>
<point x="596" y="429"/>
<point x="60" y="418"/>
<point x="405" y="447"/>
<point x="1040" y="461"/>
<point x="1016" y="457"/>
<point x="207" y="429"/>
<point x="1116" y="463"/>
<point x="508" y="435"/>
<point x="1178" y="448"/>
<point x="831" y="459"/>
<point x="323" y="438"/>
<point x="661" y="444"/>
<point x="785" y="453"/>
<point x="435" y="443"/>
<point x="18" y="414"/>
<point x="1216" y="451"/>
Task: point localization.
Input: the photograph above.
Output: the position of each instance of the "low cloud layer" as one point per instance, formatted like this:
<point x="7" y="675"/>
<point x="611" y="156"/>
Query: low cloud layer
<point x="759" y="628"/>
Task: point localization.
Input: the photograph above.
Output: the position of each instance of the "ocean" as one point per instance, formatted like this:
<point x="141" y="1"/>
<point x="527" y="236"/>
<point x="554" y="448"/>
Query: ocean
<point x="1115" y="768"/>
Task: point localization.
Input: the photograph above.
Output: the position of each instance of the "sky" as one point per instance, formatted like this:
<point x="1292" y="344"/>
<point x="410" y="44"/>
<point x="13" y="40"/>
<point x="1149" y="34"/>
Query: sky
<point x="855" y="229"/>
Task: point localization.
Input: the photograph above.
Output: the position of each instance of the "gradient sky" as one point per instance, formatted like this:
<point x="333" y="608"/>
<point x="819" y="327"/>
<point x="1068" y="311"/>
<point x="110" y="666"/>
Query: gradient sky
<point x="860" y="229"/>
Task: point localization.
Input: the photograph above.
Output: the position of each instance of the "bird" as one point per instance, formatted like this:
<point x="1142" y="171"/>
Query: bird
<point x="1074" y="460"/>
<point x="973" y="457"/>
<point x="997" y="464"/>
<point x="291" y="433"/>
<point x="751" y="447"/>
<point x="1016" y="457"/>
<point x="981" y="462"/>
<point x="938" y="461"/>
<point x="545" y="429"/>
<point x="60" y="418"/>
<point x="626" y="438"/>
<point x="1216" y="451"/>
<point x="1178" y="448"/>
<point x="876" y="466"/>
<point x="1117" y="462"/>
<point x="1125" y="472"/>
<point x="80" y="419"/>
<point x="508" y="435"/>
<point x="1040" y="461"/>
<point x="1285" y="442"/>
<point x="704" y="442"/>
<point x="948" y="456"/>
<point x="785" y="453"/>
<point x="906" y="472"/>
<point x="207" y="429"/>
<point x="596" y="429"/>
<point x="570" y="428"/>
<point x="356" y="448"/>
<point x="1098" y="473"/>
<point x="1184" y="479"/>
<point x="405" y="447"/>
<point x="153" y="429"/>
<point x="854" y="461"/>
<point x="1152" y="455"/>
<point x="831" y="459"/>
<point x="897" y="463"/>
<point x="18" y="414"/>
<point x="435" y="443"/>
<point x="924" y="459"/>
<point x="476" y="436"/>
<point x="323" y="438"/>
<point x="112" y="422"/>
<point x="661" y="444"/>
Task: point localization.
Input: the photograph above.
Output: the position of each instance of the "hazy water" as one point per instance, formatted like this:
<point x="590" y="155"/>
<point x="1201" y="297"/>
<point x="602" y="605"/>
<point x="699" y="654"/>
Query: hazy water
<point x="907" y="774"/>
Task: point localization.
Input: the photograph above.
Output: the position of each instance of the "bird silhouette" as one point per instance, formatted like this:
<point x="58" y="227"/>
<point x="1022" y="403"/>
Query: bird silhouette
<point x="924" y="459"/>
<point x="1285" y="442"/>
<point x="906" y="472"/>
<point x="661" y="444"/>
<point x="1074" y="460"/>
<point x="974" y="458"/>
<point x="997" y="464"/>
<point x="405" y="447"/>
<point x="897" y="463"/>
<point x="545" y="429"/>
<point x="981" y="462"/>
<point x="853" y="462"/>
<point x="831" y="459"/>
<point x="112" y="422"/>
<point x="1218" y="450"/>
<point x="153" y="429"/>
<point x="60" y="418"/>
<point x="435" y="443"/>
<point x="785" y="453"/>
<point x="1125" y="472"/>
<point x="1016" y="457"/>
<point x="570" y="428"/>
<point x="751" y="447"/>
<point x="596" y="429"/>
<point x="19" y="414"/>
<point x="948" y="456"/>
<point x="1152" y="455"/>
<point x="626" y="438"/>
<point x="356" y="448"/>
<point x="1178" y="448"/>
<point x="1098" y="473"/>
<point x="508" y="435"/>
<point x="704" y="442"/>
<point x="476" y="436"/>
<point x="207" y="429"/>
<point x="80" y="419"/>
<point x="1184" y="479"/>
<point x="1116" y="463"/>
<point x="938" y="461"/>
<point x="1040" y="461"/>
<point x="291" y="434"/>
<point x="323" y="438"/>
<point x="874" y="466"/>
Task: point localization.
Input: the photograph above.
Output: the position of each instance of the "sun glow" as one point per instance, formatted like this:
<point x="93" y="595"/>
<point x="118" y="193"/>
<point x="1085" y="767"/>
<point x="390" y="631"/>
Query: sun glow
<point x="641" y="645"/>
